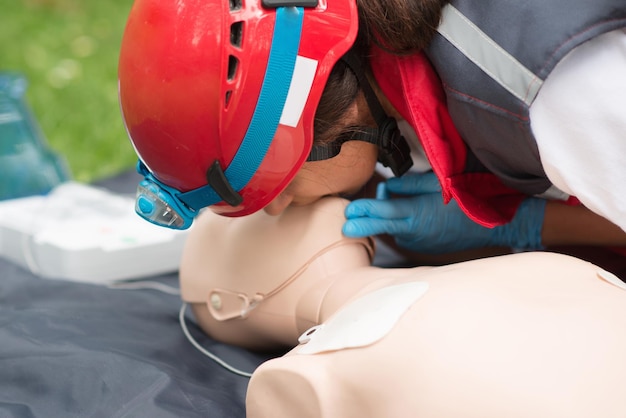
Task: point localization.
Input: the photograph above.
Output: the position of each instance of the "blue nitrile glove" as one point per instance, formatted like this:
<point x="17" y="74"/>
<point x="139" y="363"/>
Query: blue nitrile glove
<point x="421" y="222"/>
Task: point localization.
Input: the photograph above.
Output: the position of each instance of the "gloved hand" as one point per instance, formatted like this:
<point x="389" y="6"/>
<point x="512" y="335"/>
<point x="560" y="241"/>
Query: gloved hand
<point x="421" y="222"/>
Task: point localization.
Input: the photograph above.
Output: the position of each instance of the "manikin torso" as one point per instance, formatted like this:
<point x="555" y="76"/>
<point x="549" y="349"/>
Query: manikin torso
<point x="531" y="334"/>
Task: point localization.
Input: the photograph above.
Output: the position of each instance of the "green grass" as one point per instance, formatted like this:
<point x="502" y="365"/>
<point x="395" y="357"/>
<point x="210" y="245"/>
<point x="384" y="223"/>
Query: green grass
<point x="68" y="51"/>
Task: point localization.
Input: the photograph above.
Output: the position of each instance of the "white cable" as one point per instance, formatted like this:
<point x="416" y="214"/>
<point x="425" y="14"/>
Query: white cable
<point x="181" y="318"/>
<point x="146" y="284"/>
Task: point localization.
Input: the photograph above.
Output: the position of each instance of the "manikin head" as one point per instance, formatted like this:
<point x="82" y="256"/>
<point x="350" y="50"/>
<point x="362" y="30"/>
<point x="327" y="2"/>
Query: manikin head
<point x="265" y="280"/>
<point x="229" y="103"/>
<point x="531" y="334"/>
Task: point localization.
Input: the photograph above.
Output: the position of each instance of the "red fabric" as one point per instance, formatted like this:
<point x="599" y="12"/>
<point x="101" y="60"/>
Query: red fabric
<point x="412" y="86"/>
<point x="414" y="89"/>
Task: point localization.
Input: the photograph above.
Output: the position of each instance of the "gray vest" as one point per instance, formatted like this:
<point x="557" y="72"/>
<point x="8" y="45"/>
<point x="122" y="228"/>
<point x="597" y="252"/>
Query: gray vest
<point x="492" y="57"/>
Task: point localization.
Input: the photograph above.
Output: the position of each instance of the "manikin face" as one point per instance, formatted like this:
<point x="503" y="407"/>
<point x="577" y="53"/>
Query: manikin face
<point x="341" y="175"/>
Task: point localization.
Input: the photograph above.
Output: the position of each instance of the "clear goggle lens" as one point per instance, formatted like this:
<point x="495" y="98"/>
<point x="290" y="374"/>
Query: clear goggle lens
<point x="157" y="207"/>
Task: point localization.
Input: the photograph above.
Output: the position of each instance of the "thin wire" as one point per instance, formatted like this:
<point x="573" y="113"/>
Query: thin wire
<point x="183" y="325"/>
<point x="181" y="318"/>
<point x="145" y="284"/>
<point x="27" y="249"/>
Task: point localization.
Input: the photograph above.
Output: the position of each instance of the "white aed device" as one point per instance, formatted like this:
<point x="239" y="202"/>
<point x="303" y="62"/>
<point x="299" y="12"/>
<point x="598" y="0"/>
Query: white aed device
<point x="85" y="233"/>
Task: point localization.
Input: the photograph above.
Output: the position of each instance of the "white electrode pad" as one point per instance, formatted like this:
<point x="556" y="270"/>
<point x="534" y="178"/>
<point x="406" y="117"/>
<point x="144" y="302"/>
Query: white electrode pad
<point x="611" y="278"/>
<point x="363" y="321"/>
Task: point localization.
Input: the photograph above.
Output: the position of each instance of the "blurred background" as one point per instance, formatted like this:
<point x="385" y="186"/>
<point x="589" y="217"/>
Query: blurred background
<point x="68" y="51"/>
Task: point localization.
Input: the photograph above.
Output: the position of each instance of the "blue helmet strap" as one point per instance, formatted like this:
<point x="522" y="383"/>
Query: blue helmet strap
<point x="226" y="184"/>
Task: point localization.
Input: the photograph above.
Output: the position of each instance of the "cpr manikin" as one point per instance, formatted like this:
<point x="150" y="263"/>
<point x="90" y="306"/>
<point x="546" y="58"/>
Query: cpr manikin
<point x="523" y="335"/>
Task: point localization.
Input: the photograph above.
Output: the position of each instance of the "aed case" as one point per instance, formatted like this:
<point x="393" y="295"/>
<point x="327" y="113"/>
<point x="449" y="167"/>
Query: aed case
<point x="84" y="233"/>
<point x="27" y="165"/>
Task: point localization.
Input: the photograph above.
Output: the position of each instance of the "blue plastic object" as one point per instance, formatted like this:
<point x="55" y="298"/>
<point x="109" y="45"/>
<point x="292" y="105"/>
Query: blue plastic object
<point x="27" y="165"/>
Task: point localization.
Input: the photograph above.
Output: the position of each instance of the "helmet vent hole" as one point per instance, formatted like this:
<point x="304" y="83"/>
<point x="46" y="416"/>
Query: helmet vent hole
<point x="233" y="64"/>
<point x="236" y="34"/>
<point x="234" y="5"/>
<point x="229" y="93"/>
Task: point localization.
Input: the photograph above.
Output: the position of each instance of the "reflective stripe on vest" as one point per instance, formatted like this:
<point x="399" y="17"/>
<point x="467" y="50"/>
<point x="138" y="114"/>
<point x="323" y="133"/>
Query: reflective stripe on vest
<point x="490" y="57"/>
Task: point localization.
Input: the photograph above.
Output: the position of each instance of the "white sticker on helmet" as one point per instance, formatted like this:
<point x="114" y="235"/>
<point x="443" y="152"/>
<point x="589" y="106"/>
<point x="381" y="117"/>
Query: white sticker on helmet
<point x="299" y="90"/>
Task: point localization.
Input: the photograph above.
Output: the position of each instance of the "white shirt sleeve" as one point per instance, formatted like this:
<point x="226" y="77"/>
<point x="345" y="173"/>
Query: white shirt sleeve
<point x="579" y="121"/>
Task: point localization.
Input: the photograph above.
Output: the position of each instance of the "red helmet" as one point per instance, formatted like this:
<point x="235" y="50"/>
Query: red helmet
<point x="218" y="96"/>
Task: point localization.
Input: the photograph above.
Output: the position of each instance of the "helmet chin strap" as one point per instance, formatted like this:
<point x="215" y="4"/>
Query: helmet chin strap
<point x="393" y="150"/>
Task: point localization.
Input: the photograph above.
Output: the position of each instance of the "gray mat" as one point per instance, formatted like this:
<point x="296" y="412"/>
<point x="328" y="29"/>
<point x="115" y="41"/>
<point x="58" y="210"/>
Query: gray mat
<point x="81" y="350"/>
